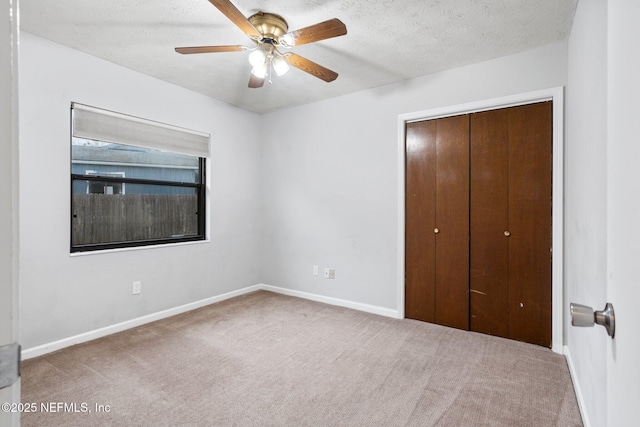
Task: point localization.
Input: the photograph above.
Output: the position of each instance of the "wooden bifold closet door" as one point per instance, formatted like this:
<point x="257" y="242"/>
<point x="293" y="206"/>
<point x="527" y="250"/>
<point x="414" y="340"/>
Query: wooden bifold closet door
<point x="437" y="221"/>
<point x="478" y="222"/>
<point x="510" y="274"/>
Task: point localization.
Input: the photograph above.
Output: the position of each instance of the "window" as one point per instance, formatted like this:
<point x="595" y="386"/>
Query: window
<point x="134" y="182"/>
<point x="98" y="187"/>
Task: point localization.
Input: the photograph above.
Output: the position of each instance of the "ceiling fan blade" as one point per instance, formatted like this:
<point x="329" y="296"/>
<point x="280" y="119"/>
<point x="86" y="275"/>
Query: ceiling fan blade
<point x="311" y="67"/>
<point x="210" y="49"/>
<point x="230" y="11"/>
<point x="324" y="30"/>
<point x="255" y="82"/>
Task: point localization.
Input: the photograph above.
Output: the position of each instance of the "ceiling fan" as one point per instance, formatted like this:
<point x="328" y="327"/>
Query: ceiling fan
<point x="271" y="32"/>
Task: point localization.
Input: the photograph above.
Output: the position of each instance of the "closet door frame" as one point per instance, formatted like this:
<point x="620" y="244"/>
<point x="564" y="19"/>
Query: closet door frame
<point x="552" y="94"/>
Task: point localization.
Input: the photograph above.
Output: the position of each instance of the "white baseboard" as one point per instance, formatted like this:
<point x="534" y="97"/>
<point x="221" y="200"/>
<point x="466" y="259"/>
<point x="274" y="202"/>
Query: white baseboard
<point x="576" y="387"/>
<point x="128" y="324"/>
<point x="382" y="311"/>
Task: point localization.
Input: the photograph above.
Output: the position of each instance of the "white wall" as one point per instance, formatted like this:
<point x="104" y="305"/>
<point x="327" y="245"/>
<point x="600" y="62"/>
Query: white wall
<point x="586" y="199"/>
<point x="331" y="174"/>
<point x="63" y="295"/>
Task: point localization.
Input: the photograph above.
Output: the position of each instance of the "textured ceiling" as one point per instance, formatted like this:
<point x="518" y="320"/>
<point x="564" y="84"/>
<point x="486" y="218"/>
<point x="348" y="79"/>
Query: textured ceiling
<point x="387" y="40"/>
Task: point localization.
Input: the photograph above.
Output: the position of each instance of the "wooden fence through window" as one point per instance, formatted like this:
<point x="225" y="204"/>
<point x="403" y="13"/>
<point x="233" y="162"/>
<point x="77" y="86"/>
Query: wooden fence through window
<point x="104" y="218"/>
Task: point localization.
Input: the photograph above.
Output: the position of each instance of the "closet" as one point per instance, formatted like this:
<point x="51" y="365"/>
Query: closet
<point x="478" y="222"/>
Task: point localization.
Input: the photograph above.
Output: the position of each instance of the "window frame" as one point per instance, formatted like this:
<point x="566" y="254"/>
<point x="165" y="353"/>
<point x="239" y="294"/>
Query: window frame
<point x="200" y="186"/>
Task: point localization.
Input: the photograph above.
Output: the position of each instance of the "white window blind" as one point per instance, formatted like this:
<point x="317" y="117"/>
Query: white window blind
<point x="103" y="125"/>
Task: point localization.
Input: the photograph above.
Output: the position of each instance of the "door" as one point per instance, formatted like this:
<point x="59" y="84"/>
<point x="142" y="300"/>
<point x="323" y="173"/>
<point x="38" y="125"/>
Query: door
<point x="8" y="185"/>
<point x="437" y="221"/>
<point x="489" y="247"/>
<point x="511" y="183"/>
<point x="623" y="225"/>
<point x="530" y="159"/>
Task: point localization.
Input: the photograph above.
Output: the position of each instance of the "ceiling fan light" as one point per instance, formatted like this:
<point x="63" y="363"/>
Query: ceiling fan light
<point x="280" y="66"/>
<point x="260" y="70"/>
<point x="257" y="58"/>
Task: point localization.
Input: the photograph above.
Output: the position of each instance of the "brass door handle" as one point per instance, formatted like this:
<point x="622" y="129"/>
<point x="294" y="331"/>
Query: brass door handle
<point x="436" y="230"/>
<point x="507" y="233"/>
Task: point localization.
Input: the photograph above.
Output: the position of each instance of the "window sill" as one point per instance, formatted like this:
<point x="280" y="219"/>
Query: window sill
<point x="137" y="248"/>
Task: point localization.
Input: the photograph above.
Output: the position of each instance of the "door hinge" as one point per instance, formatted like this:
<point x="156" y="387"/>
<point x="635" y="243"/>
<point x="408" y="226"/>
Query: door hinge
<point x="9" y="364"/>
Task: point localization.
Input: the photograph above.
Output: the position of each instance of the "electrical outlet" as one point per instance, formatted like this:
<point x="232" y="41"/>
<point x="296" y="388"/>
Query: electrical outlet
<point x="315" y="270"/>
<point x="137" y="286"/>
<point x="326" y="272"/>
<point x="332" y="273"/>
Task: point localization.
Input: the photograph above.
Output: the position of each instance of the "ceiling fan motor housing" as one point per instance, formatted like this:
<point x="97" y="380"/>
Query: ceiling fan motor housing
<point x="270" y="25"/>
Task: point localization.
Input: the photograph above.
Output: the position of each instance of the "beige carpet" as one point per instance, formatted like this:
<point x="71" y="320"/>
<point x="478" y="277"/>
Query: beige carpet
<point x="265" y="359"/>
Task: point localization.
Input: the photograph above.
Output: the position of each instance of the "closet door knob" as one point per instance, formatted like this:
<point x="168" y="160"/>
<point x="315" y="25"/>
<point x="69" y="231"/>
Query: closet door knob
<point x="507" y="233"/>
<point x="435" y="230"/>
